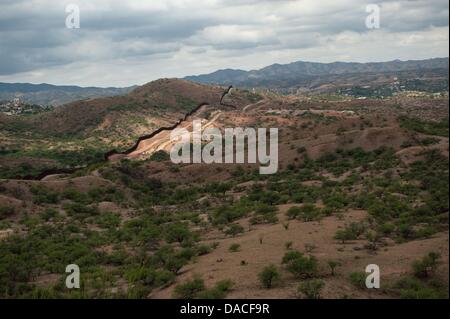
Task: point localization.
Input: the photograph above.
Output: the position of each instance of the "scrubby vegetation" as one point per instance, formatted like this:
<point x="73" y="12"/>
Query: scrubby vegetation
<point x="195" y="289"/>
<point x="269" y="276"/>
<point x="311" y="288"/>
<point x="141" y="227"/>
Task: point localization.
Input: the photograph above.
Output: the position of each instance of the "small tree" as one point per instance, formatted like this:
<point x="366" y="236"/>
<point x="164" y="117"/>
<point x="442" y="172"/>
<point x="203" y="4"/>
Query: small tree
<point x="427" y="266"/>
<point x="234" y="229"/>
<point x="189" y="289"/>
<point x="6" y="211"/>
<point x="311" y="288"/>
<point x="373" y="237"/>
<point x="343" y="235"/>
<point x="268" y="276"/>
<point x="234" y="248"/>
<point x="333" y="264"/>
<point x="358" y="279"/>
<point x="293" y="212"/>
<point x="300" y="265"/>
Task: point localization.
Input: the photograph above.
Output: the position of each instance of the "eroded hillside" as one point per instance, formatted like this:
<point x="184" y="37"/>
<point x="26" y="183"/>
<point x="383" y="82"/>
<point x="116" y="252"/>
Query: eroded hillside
<point x="359" y="182"/>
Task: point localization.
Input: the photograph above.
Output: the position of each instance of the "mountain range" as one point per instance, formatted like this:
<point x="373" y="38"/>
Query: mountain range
<point x="311" y="76"/>
<point x="55" y="95"/>
<point x="429" y="75"/>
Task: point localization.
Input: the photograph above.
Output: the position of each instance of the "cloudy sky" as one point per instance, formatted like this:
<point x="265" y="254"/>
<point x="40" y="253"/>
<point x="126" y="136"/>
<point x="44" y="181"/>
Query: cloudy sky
<point x="121" y="43"/>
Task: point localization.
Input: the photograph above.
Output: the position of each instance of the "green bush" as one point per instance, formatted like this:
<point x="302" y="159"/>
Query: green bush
<point x="189" y="289"/>
<point x="411" y="288"/>
<point x="42" y="195"/>
<point x="291" y="255"/>
<point x="219" y="291"/>
<point x="178" y="232"/>
<point x="160" y="156"/>
<point x="6" y="211"/>
<point x="311" y="288"/>
<point x="427" y="266"/>
<point x="49" y="214"/>
<point x="234" y="229"/>
<point x="299" y="265"/>
<point x="268" y="276"/>
<point x="307" y="213"/>
<point x="195" y="288"/>
<point x="333" y="264"/>
<point x="358" y="279"/>
<point x="344" y="235"/>
<point x="234" y="248"/>
<point x="293" y="212"/>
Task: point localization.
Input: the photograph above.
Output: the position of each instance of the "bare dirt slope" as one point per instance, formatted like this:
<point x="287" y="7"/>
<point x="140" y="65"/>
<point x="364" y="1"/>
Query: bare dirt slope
<point x="393" y="260"/>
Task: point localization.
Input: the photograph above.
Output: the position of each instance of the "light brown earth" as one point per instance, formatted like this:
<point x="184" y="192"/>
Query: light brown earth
<point x="394" y="260"/>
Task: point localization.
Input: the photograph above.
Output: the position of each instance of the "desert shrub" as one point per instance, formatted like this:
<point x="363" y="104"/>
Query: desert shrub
<point x="178" y="232"/>
<point x="147" y="277"/>
<point x="358" y="279"/>
<point x="229" y="213"/>
<point x="42" y="195"/>
<point x="160" y="156"/>
<point x="49" y="214"/>
<point x="291" y="255"/>
<point x="76" y="196"/>
<point x="309" y="212"/>
<point x="172" y="260"/>
<point x="344" y="235"/>
<point x="425" y="232"/>
<point x="299" y="265"/>
<point x="264" y="213"/>
<point x="303" y="267"/>
<point x="335" y="200"/>
<point x="106" y="194"/>
<point x="311" y="288"/>
<point x="234" y="229"/>
<point x="140" y="231"/>
<point x="386" y="228"/>
<point x="175" y="263"/>
<point x="108" y="220"/>
<point x="189" y="289"/>
<point x="333" y="264"/>
<point x="234" y="248"/>
<point x="427" y="266"/>
<point x="427" y="127"/>
<point x="163" y="278"/>
<point x="268" y="276"/>
<point x="373" y="238"/>
<point x="350" y="232"/>
<point x="406" y="231"/>
<point x="217" y="188"/>
<point x="293" y="212"/>
<point x="219" y="291"/>
<point x="80" y="211"/>
<point x="202" y="250"/>
<point x="139" y="273"/>
<point x="6" y="211"/>
<point x="411" y="288"/>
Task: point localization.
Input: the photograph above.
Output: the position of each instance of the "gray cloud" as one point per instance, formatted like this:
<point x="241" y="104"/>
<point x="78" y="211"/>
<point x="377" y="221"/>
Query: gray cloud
<point x="133" y="42"/>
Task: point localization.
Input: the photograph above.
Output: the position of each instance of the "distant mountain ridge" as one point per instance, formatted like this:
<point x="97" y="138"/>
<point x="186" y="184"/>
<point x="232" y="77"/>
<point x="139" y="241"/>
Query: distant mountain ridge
<point x="48" y="94"/>
<point x="312" y="75"/>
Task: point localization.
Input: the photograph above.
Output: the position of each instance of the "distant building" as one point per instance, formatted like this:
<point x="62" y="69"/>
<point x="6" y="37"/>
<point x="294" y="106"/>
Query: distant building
<point x="16" y="102"/>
